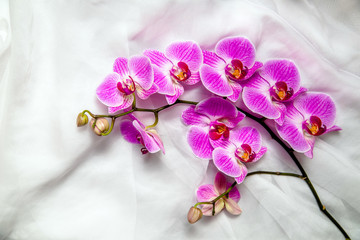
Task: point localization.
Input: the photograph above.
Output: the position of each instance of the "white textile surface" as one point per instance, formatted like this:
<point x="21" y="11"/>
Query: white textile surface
<point x="61" y="182"/>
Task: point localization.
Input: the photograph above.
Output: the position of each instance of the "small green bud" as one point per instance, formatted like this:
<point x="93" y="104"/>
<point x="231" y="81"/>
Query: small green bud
<point x="82" y="119"/>
<point x="101" y="126"/>
<point x="194" y="215"/>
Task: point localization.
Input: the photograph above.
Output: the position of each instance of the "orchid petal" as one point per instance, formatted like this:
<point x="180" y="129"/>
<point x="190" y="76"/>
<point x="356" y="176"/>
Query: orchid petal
<point x="281" y="71"/>
<point x="260" y="154"/>
<point x="216" y="108"/>
<point x="317" y="104"/>
<point x="188" y="52"/>
<point x="293" y="134"/>
<point x="121" y="67"/>
<point x="300" y="91"/>
<point x="246" y="135"/>
<point x="239" y="179"/>
<point x="207" y="209"/>
<point x="311" y="142"/>
<point x="333" y="128"/>
<point x="221" y="142"/>
<point x="144" y="94"/>
<point x="179" y="90"/>
<point x="107" y="92"/>
<point x="141" y="71"/>
<point x="232" y="207"/>
<point x="282" y="109"/>
<point x="191" y="117"/>
<point x="225" y="161"/>
<point x="236" y="48"/>
<point x="253" y="69"/>
<point x="158" y="58"/>
<point x="206" y="193"/>
<point x="213" y="60"/>
<point x="234" y="193"/>
<point x="163" y="81"/>
<point x="215" y="82"/>
<point x="236" y="87"/>
<point x="198" y="139"/>
<point x="129" y="132"/>
<point x="193" y="79"/>
<point x="152" y="133"/>
<point x="128" y="100"/>
<point x="149" y="142"/>
<point x="232" y="122"/>
<point x="220" y="183"/>
<point x="259" y="102"/>
<point x="257" y="82"/>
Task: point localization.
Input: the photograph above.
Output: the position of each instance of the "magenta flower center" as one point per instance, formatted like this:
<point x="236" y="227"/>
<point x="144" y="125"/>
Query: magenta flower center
<point x="314" y="126"/>
<point x="181" y="72"/>
<point x="236" y="70"/>
<point x="244" y="154"/>
<point x="127" y="86"/>
<point x="280" y="91"/>
<point x="217" y="130"/>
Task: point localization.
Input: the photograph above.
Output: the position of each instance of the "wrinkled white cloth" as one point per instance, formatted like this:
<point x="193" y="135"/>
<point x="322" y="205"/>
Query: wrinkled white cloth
<point x="61" y="182"/>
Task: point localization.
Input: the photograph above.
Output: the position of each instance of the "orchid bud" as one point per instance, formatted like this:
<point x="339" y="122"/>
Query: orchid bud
<point x="101" y="126"/>
<point x="82" y="119"/>
<point x="194" y="215"/>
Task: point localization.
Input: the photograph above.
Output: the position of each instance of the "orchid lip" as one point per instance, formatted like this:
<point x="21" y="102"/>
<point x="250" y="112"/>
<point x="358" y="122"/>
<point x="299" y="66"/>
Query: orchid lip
<point x="314" y="126"/>
<point x="181" y="72"/>
<point x="281" y="92"/>
<point x="217" y="130"/>
<point x="127" y="86"/>
<point x="244" y="154"/>
<point x="236" y="70"/>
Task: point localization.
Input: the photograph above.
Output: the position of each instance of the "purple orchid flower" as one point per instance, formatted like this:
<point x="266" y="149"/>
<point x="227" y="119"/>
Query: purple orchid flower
<point x="231" y="64"/>
<point x="208" y="192"/>
<point x="212" y="120"/>
<point x="244" y="146"/>
<point x="135" y="132"/>
<point x="180" y="64"/>
<point x="277" y="82"/>
<point x="310" y="115"/>
<point x="116" y="91"/>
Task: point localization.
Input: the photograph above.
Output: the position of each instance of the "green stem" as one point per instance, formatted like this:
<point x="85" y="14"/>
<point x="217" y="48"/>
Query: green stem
<point x="111" y="127"/>
<point x="276" y="173"/>
<point x="156" y="115"/>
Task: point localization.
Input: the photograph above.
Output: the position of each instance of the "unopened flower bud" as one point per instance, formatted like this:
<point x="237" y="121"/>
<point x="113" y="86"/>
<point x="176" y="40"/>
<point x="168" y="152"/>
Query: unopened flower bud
<point x="101" y="126"/>
<point x="194" y="215"/>
<point x="82" y="119"/>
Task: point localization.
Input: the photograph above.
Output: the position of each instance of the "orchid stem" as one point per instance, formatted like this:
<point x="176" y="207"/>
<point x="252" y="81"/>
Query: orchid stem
<point x="156" y="115"/>
<point x="111" y="127"/>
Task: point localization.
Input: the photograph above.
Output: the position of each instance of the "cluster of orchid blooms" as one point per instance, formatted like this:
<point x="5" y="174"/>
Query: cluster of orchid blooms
<point x="271" y="89"/>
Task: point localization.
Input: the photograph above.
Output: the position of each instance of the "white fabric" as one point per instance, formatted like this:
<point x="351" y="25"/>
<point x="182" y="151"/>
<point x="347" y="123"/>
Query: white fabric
<point x="58" y="181"/>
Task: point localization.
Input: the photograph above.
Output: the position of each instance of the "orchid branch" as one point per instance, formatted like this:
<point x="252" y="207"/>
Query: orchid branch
<point x="261" y="121"/>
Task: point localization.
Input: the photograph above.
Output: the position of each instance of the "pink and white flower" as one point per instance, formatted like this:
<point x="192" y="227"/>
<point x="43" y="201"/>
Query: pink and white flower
<point x="211" y="122"/>
<point x="208" y="192"/>
<point x="180" y="64"/>
<point x="310" y="115"/>
<point x="232" y="63"/>
<point x="277" y="82"/>
<point x="116" y="91"/>
<point x="135" y="132"/>
<point x="243" y="146"/>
